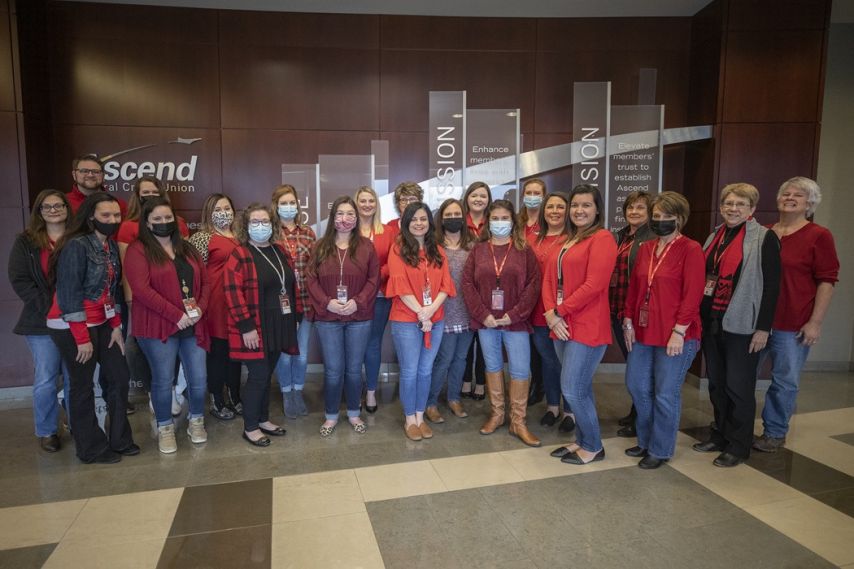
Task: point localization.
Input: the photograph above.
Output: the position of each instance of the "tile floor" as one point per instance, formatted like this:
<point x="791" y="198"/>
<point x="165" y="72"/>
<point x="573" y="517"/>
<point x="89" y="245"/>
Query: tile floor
<point x="458" y="500"/>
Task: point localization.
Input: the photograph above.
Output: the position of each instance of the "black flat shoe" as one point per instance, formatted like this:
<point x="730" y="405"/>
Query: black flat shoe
<point x="478" y="396"/>
<point x="627" y="432"/>
<point x="371" y="409"/>
<point x="626" y="421"/>
<point x="573" y="458"/>
<point x="727" y="460"/>
<point x="50" y="443"/>
<point x="108" y="456"/>
<point x="636" y="452"/>
<point x="567" y="425"/>
<point x="277" y="432"/>
<point x="559" y="452"/>
<point x="649" y="462"/>
<point x="548" y="420"/>
<point x="130" y="450"/>
<point x="262" y="442"/>
<point x="707" y="446"/>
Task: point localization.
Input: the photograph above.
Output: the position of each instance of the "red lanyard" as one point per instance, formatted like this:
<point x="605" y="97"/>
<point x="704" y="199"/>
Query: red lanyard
<point x="650" y="274"/>
<point x="499" y="268"/>
<point x="341" y="263"/>
<point x="719" y="251"/>
<point x="625" y="247"/>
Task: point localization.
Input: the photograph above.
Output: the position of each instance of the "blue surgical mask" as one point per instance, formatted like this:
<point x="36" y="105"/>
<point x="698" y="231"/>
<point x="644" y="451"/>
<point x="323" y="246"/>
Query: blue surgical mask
<point x="261" y="233"/>
<point x="500" y="228"/>
<point x="532" y="202"/>
<point x="288" y="211"/>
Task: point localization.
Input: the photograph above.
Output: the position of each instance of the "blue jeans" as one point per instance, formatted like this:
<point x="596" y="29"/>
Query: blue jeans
<point x="655" y="382"/>
<point x="551" y="364"/>
<point x="161" y="358"/>
<point x="343" y="347"/>
<point x="290" y="370"/>
<point x="576" y="383"/>
<point x="374" y="351"/>
<point x="450" y="362"/>
<point x="48" y="365"/>
<point x="416" y="363"/>
<point x="788" y="355"/>
<point x="518" y="348"/>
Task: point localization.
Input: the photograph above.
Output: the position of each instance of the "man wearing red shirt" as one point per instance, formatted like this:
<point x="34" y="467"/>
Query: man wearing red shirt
<point x="88" y="175"/>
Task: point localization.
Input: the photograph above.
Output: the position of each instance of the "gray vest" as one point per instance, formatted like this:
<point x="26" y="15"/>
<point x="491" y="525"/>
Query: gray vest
<point x="743" y="310"/>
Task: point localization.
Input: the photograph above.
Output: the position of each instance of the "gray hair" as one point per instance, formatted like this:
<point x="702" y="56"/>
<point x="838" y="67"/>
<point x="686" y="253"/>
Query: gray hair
<point x="810" y="187"/>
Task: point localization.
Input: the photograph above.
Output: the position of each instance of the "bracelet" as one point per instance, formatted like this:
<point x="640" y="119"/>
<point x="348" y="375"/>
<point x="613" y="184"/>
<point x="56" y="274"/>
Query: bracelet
<point x="675" y="331"/>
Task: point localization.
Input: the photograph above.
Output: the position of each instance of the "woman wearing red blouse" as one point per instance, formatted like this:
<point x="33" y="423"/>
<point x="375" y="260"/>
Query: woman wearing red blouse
<point x="575" y="298"/>
<point x="170" y="284"/>
<point x="215" y="242"/>
<point x="501" y="283"/>
<point x="382" y="236"/>
<point x="661" y="327"/>
<point x="810" y="269"/>
<point x="343" y="278"/>
<point x="419" y="282"/>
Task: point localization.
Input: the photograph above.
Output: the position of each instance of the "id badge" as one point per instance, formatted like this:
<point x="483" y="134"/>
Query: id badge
<point x="285" y="303"/>
<point x="341" y="291"/>
<point x="711" y="283"/>
<point x="110" y="307"/>
<point x="426" y="296"/>
<point x="497" y="299"/>
<point x="560" y="297"/>
<point x="643" y="315"/>
<point x="192" y="308"/>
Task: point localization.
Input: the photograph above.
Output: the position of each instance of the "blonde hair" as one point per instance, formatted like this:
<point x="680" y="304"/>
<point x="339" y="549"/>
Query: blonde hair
<point x="671" y="203"/>
<point x="376" y="222"/>
<point x="742" y="190"/>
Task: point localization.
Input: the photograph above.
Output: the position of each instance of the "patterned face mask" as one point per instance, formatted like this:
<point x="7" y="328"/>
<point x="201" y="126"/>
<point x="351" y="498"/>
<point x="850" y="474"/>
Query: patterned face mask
<point x="222" y="219"/>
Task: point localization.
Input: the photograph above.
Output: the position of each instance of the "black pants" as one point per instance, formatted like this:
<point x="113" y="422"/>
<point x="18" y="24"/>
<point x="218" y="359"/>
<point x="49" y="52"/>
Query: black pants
<point x="89" y="439"/>
<point x="256" y="392"/>
<point x="475" y="357"/>
<point x="222" y="372"/>
<point x="732" y="388"/>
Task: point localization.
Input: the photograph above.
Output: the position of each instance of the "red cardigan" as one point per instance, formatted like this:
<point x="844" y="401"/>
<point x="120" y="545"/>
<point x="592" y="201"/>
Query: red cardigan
<point x="587" y="268"/>
<point x="157" y="300"/>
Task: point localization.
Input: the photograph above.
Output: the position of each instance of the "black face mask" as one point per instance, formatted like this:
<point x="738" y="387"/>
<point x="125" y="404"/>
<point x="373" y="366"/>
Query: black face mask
<point x="663" y="228"/>
<point x="452" y="224"/>
<point x="105" y="229"/>
<point x="164" y="229"/>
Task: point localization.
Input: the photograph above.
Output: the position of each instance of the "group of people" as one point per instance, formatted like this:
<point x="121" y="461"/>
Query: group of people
<point x="547" y="288"/>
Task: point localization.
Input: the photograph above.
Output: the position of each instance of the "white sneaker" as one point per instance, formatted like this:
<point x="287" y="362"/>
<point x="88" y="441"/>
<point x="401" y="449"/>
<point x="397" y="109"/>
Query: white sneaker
<point x="166" y="439"/>
<point x="196" y="430"/>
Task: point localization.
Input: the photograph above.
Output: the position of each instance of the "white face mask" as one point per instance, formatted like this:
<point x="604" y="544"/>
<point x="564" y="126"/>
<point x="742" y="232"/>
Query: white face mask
<point x="287" y="211"/>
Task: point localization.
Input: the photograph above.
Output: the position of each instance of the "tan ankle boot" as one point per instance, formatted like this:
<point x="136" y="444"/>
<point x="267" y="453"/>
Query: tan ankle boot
<point x="518" y="411"/>
<point x="495" y="388"/>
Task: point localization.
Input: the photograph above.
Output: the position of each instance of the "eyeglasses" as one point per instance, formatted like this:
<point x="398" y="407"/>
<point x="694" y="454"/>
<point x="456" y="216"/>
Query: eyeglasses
<point x="408" y="200"/>
<point x="89" y="171"/>
<point x="259" y="223"/>
<point x="55" y="207"/>
<point x="736" y="205"/>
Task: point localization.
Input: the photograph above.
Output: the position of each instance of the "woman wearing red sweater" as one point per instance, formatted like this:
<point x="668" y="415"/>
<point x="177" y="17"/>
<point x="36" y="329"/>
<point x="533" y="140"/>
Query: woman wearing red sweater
<point x="575" y="298"/>
<point x="662" y="327"/>
<point x="501" y="283"/>
<point x="170" y="286"/>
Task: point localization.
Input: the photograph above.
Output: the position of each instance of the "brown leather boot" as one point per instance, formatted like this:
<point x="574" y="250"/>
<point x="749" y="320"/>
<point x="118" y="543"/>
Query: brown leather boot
<point x="495" y="388"/>
<point x="518" y="411"/>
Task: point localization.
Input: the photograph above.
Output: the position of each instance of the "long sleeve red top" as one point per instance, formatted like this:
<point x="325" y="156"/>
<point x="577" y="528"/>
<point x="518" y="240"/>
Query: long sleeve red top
<point x="675" y="295"/>
<point x="361" y="276"/>
<point x="520" y="281"/>
<point x="586" y="269"/>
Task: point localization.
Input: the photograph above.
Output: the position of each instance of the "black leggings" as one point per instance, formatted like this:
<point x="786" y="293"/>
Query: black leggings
<point x="256" y="392"/>
<point x="222" y="372"/>
<point x="475" y="356"/>
<point x="89" y="439"/>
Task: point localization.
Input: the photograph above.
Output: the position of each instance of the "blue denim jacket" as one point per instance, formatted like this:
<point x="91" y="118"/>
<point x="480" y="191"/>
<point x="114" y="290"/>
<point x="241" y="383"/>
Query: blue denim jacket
<point x="81" y="274"/>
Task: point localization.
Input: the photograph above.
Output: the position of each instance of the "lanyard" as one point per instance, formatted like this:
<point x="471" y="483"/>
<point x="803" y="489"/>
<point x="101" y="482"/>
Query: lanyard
<point x="564" y="250"/>
<point x="627" y="244"/>
<point x="499" y="268"/>
<point x="341" y="264"/>
<point x="720" y="248"/>
<point x="650" y="274"/>
<point x="269" y="262"/>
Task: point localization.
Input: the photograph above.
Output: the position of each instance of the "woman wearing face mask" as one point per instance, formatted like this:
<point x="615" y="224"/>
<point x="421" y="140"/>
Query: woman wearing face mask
<point x="264" y="309"/>
<point x="382" y="237"/>
<point x="545" y="246"/>
<point x="170" y="284"/>
<point x="86" y="327"/>
<point x="476" y="200"/>
<point x="501" y="284"/>
<point x="298" y="240"/>
<point x="661" y="328"/>
<point x="533" y="194"/>
<point x="215" y="242"/>
<point x="28" y="268"/>
<point x="343" y="278"/>
<point x="739" y="299"/>
<point x="629" y="239"/>
<point x="419" y="283"/>
<point x="575" y="297"/>
<point x="456" y="240"/>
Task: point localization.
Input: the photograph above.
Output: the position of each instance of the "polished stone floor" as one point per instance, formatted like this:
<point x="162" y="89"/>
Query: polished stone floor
<point x="457" y="500"/>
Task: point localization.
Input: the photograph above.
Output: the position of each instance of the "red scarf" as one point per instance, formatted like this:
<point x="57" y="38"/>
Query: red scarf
<point x="726" y="264"/>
